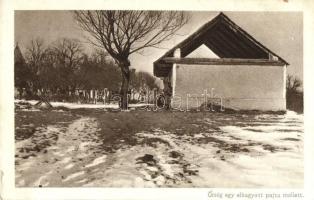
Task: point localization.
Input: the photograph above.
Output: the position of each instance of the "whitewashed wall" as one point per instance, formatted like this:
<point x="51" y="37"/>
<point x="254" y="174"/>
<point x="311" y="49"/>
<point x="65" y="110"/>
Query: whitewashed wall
<point x="245" y="87"/>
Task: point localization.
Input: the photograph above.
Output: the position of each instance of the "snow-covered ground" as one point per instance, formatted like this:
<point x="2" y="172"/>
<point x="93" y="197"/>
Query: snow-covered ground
<point x="265" y="151"/>
<point x="76" y="105"/>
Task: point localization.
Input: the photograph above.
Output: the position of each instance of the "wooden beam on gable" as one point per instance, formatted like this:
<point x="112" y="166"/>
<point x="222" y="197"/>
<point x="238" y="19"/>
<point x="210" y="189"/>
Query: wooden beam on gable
<point x="224" y="61"/>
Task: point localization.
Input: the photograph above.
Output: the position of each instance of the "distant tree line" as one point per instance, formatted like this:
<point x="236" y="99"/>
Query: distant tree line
<point x="59" y="69"/>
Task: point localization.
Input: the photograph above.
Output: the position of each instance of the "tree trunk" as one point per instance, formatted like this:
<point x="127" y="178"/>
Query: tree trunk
<point x="20" y="90"/>
<point x="124" y="66"/>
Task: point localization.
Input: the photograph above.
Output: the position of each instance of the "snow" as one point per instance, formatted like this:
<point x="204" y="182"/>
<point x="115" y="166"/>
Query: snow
<point x="97" y="161"/>
<point x="69" y="166"/>
<point x="72" y="176"/>
<point x="76" y="105"/>
<point x="256" y="168"/>
<point x="279" y="169"/>
<point x="267" y="134"/>
<point x="265" y="152"/>
<point x="65" y="156"/>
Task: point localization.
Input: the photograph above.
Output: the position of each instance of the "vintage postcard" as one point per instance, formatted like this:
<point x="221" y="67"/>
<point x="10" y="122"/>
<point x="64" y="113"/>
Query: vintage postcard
<point x="110" y="102"/>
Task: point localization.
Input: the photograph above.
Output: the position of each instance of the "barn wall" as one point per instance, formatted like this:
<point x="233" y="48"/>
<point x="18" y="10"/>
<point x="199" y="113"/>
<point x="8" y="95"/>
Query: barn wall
<point x="246" y="87"/>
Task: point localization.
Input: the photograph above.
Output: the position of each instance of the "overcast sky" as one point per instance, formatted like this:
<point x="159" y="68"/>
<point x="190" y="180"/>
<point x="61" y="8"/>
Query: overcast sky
<point x="281" y="32"/>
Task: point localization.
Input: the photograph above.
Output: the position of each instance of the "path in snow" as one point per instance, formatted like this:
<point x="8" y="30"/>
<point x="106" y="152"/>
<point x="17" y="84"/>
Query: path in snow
<point x="66" y="161"/>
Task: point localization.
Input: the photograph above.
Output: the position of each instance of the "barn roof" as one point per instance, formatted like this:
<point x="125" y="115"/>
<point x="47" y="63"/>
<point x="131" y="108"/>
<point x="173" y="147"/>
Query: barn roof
<point x="226" y="39"/>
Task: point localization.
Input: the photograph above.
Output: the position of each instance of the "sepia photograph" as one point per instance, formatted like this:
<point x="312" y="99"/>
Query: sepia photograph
<point x="158" y="99"/>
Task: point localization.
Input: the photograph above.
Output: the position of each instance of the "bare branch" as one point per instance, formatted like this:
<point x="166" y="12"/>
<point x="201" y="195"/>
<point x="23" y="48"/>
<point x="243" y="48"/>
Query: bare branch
<point x="122" y="33"/>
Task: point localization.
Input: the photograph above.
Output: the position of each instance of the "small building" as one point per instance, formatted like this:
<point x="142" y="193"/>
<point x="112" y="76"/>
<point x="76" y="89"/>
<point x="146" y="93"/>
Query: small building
<point x="222" y="61"/>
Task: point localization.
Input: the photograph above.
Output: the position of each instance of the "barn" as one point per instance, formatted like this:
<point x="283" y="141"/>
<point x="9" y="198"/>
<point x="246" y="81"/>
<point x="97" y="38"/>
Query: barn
<point x="221" y="62"/>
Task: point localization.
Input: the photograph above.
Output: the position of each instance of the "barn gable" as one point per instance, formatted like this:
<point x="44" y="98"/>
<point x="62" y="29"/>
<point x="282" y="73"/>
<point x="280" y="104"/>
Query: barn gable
<point x="225" y="39"/>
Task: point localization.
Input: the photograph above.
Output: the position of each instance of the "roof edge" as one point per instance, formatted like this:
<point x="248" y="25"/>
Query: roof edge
<point x="222" y="61"/>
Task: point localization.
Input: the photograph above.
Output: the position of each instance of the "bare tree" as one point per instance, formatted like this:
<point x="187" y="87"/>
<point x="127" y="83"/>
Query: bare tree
<point x="69" y="52"/>
<point x="293" y="84"/>
<point x="294" y="94"/>
<point x="97" y="72"/>
<point x="35" y="54"/>
<point x="122" y="33"/>
<point x="69" y="55"/>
